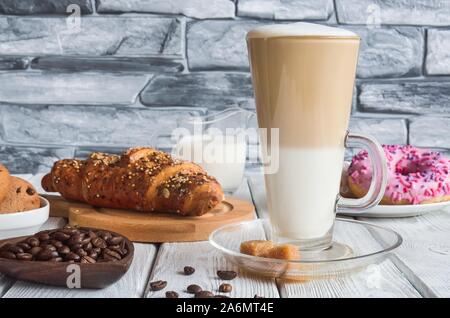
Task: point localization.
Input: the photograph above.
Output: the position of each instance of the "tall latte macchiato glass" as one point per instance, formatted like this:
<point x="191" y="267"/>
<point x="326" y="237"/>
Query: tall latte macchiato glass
<point x="303" y="76"/>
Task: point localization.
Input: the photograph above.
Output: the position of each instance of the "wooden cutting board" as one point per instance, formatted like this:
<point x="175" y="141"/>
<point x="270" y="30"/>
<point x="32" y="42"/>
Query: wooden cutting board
<point x="152" y="227"/>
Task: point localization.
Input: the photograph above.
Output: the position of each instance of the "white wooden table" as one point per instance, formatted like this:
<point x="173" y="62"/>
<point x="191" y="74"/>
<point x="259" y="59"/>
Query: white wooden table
<point x="419" y="268"/>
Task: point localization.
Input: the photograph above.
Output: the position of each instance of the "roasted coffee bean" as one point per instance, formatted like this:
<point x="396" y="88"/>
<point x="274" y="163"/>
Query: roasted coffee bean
<point x="88" y="247"/>
<point x="24" y="256"/>
<point x="75" y="239"/>
<point x="115" y="240"/>
<point x="158" y="285"/>
<point x="193" y="289"/>
<point x="64" y="250"/>
<point x="44" y="237"/>
<point x="8" y="255"/>
<point x="15" y="249"/>
<point x="69" y="231"/>
<point x="116" y="248"/>
<point x="48" y="247"/>
<point x="227" y="275"/>
<point x="106" y="236"/>
<point x="204" y="294"/>
<point x="24" y="246"/>
<point x="99" y="242"/>
<point x="171" y="294"/>
<point x="87" y="260"/>
<point x="188" y="270"/>
<point x="225" y="288"/>
<point x="60" y="236"/>
<point x="86" y="241"/>
<point x="33" y="241"/>
<point x="221" y="296"/>
<point x="109" y="258"/>
<point x="93" y="255"/>
<point x="112" y="253"/>
<point x="55" y="243"/>
<point x="75" y="247"/>
<point x="46" y="255"/>
<point x="35" y="250"/>
<point x="81" y="252"/>
<point x="72" y="257"/>
<point x="92" y="234"/>
<point x="97" y="250"/>
<point x="6" y="246"/>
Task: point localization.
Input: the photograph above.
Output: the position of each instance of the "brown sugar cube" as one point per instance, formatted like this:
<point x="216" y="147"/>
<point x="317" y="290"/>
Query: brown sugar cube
<point x="286" y="251"/>
<point x="256" y="248"/>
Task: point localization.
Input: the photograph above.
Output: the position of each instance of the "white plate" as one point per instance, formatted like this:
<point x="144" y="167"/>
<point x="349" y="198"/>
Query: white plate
<point x="393" y="211"/>
<point x="24" y="223"/>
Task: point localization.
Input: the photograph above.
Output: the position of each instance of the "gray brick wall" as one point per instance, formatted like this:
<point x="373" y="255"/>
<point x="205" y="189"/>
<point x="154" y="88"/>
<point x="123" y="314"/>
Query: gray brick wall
<point x="136" y="69"/>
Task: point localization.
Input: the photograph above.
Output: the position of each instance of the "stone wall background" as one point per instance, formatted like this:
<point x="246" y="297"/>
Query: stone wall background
<point x="135" y="69"/>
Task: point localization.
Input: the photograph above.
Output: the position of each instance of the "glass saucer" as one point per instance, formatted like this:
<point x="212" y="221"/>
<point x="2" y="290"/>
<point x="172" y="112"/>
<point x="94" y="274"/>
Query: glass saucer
<point x="356" y="245"/>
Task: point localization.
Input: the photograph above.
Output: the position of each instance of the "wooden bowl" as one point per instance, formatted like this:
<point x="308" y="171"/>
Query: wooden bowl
<point x="97" y="275"/>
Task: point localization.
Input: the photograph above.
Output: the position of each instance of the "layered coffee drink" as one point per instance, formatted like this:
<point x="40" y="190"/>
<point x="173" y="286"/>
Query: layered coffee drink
<point x="303" y="77"/>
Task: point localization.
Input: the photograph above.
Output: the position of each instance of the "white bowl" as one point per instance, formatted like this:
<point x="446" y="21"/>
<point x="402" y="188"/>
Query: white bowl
<point x="24" y="223"/>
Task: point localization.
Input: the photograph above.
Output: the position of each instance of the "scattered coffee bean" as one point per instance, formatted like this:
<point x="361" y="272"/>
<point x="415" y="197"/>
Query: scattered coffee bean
<point x="193" y="289"/>
<point x="188" y="270"/>
<point x="225" y="288"/>
<point x="204" y="294"/>
<point x="158" y="285"/>
<point x="227" y="275"/>
<point x="171" y="294"/>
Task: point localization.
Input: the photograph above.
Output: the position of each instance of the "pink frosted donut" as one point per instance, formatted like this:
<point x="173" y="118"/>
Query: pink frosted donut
<point x="415" y="176"/>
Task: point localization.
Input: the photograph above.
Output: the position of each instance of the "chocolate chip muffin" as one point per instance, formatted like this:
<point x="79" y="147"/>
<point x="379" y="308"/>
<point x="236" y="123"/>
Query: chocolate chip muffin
<point x="5" y="181"/>
<point x="21" y="196"/>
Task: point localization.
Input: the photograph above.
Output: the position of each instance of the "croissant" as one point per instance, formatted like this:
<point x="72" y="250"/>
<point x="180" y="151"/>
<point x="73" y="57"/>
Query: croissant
<point x="142" y="179"/>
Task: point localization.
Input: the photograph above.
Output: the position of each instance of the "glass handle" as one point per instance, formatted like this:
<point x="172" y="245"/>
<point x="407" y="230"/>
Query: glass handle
<point x="379" y="176"/>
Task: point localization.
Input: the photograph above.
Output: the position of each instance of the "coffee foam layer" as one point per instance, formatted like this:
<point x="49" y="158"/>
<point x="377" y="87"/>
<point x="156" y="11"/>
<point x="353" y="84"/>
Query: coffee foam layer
<point x="299" y="29"/>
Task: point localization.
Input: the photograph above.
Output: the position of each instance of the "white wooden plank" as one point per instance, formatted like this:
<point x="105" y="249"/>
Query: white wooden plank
<point x="424" y="256"/>
<point x="393" y="282"/>
<point x="172" y="257"/>
<point x="132" y="284"/>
